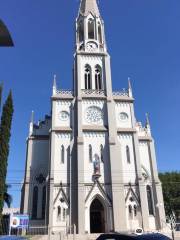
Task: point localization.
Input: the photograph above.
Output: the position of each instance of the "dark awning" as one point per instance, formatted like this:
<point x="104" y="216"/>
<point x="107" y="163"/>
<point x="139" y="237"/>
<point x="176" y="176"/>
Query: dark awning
<point x="5" y="37"/>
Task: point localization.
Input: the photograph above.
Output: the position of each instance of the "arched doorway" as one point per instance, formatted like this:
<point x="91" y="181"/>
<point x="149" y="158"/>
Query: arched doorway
<point x="97" y="217"/>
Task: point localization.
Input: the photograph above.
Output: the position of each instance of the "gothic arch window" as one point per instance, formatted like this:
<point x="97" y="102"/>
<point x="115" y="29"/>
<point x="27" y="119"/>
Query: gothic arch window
<point x="91" y="28"/>
<point x="98" y="77"/>
<point x="130" y="211"/>
<point x="35" y="203"/>
<point x="101" y="153"/>
<point x="150" y="200"/>
<point x="99" y="33"/>
<point x="135" y="210"/>
<point x="128" y="154"/>
<point x="87" y="77"/>
<point x="81" y="32"/>
<point x="43" y="201"/>
<point x="90" y="153"/>
<point x="62" y="154"/>
<point x="59" y="212"/>
<point x="64" y="214"/>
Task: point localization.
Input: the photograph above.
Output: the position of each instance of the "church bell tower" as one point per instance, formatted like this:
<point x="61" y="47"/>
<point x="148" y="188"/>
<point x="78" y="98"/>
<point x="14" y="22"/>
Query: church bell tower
<point x="93" y="87"/>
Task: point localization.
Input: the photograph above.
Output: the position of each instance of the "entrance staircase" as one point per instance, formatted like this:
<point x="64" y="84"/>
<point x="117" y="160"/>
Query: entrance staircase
<point x="66" y="237"/>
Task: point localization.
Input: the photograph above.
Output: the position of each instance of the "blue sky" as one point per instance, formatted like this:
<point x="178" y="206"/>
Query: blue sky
<point x="143" y="39"/>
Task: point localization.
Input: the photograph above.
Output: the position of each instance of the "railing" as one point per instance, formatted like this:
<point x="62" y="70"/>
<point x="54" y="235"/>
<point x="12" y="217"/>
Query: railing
<point x="93" y="92"/>
<point x="64" y="92"/>
<point x="124" y="92"/>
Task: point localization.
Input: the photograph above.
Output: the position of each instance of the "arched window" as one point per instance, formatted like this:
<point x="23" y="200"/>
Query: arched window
<point x="87" y="77"/>
<point x="91" y="28"/>
<point x="81" y="32"/>
<point x="101" y="151"/>
<point x="130" y="211"/>
<point x="59" y="212"/>
<point x="43" y="201"/>
<point x="128" y="154"/>
<point x="62" y="154"/>
<point x="64" y="214"/>
<point x="90" y="153"/>
<point x="135" y="210"/>
<point x="98" y="78"/>
<point x="99" y="33"/>
<point x="35" y="203"/>
<point x="150" y="201"/>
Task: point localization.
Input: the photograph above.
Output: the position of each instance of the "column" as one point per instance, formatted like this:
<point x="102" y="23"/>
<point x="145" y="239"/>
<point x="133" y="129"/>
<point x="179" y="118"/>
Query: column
<point x="157" y="189"/>
<point x="118" y="195"/>
<point x="141" y="185"/>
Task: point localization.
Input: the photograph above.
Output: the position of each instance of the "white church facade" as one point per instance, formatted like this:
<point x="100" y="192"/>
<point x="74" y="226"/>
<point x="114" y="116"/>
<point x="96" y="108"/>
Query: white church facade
<point x="91" y="164"/>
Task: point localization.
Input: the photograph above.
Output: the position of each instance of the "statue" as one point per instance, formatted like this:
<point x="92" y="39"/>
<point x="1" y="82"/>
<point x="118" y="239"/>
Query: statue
<point x="96" y="163"/>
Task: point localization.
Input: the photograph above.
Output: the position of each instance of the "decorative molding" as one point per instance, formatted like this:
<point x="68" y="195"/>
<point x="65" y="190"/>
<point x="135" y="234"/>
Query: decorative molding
<point x="61" y="190"/>
<point x="126" y="130"/>
<point x="62" y="129"/>
<point x="131" y="191"/>
<point x="101" y="189"/>
<point x="145" y="138"/>
<point x="125" y="136"/>
<point x="62" y="97"/>
<point x="39" y="137"/>
<point x="123" y="99"/>
<point x="94" y="135"/>
<point x="94" y="102"/>
<point x="90" y="128"/>
<point x="143" y="143"/>
<point x="63" y="135"/>
<point x="64" y="103"/>
<point x="122" y="104"/>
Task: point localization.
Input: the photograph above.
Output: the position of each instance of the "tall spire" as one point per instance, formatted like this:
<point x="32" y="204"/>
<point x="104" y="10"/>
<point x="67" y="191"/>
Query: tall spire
<point x="54" y="85"/>
<point x="147" y="125"/>
<point x="130" y="88"/>
<point x="89" y="6"/>
<point x="31" y="124"/>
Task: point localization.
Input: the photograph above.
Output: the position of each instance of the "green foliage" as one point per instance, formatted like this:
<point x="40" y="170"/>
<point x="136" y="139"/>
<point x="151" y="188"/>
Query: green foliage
<point x="5" y="133"/>
<point x="171" y="192"/>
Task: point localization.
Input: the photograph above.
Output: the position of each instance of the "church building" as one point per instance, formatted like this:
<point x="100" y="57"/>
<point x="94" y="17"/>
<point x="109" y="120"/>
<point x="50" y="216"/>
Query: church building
<point x="91" y="164"/>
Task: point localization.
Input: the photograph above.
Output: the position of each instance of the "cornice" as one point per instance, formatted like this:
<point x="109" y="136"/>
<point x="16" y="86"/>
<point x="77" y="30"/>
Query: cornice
<point x="123" y="99"/>
<point x="145" y="138"/>
<point x="39" y="137"/>
<point x="87" y="128"/>
<point x="126" y="130"/>
<point x="61" y="97"/>
<point x="61" y="129"/>
<point x="96" y="96"/>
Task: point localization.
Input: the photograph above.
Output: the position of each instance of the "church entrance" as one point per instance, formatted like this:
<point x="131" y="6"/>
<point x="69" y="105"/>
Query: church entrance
<point x="97" y="217"/>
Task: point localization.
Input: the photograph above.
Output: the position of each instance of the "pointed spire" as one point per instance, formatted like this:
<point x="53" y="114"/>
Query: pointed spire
<point x="31" y="125"/>
<point x="54" y="85"/>
<point x="129" y="87"/>
<point x="89" y="6"/>
<point x="147" y="120"/>
<point x="147" y="125"/>
<point x="32" y="116"/>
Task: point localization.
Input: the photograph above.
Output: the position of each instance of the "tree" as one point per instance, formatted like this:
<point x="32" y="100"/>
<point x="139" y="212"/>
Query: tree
<point x="171" y="192"/>
<point x="7" y="197"/>
<point x="1" y="87"/>
<point x="5" y="133"/>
